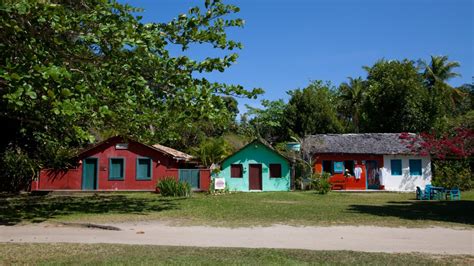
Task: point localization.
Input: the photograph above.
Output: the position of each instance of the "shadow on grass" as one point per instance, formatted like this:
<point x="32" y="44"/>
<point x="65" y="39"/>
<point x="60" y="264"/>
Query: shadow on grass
<point x="444" y="211"/>
<point x="36" y="209"/>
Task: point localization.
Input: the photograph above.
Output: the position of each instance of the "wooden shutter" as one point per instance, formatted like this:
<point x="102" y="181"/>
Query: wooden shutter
<point x="396" y="166"/>
<point x="415" y="167"/>
<point x="143" y="168"/>
<point x="275" y="170"/>
<point x="117" y="168"/>
<point x="236" y="170"/>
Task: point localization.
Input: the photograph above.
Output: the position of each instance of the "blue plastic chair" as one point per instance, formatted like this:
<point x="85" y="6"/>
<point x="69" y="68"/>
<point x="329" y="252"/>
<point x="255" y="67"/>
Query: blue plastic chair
<point x="427" y="195"/>
<point x="421" y="195"/>
<point x="453" y="194"/>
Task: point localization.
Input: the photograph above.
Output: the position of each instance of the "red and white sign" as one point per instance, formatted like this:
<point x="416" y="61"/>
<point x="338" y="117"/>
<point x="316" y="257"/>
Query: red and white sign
<point x="219" y="183"/>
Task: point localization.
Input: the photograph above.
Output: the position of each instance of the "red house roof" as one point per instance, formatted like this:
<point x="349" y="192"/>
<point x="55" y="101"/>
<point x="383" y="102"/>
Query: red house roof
<point x="178" y="155"/>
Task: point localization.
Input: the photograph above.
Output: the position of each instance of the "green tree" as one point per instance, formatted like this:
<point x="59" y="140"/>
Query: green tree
<point x="396" y="98"/>
<point x="351" y="99"/>
<point x="72" y="70"/>
<point x="439" y="70"/>
<point x="268" y="121"/>
<point x="312" y="110"/>
<point x="232" y="106"/>
<point x="436" y="74"/>
<point x="212" y="150"/>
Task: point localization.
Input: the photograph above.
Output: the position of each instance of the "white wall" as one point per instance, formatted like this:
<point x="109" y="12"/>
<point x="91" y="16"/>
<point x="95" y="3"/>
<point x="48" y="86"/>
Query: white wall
<point x="405" y="182"/>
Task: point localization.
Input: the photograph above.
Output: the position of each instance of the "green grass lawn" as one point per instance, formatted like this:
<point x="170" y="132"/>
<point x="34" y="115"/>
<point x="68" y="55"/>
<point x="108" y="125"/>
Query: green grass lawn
<point x="112" y="254"/>
<point x="242" y="209"/>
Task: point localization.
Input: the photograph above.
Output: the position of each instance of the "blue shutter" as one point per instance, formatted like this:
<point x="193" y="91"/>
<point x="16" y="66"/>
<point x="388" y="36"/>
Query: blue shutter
<point x="143" y="169"/>
<point x="116" y="168"/>
<point x="396" y="166"/>
<point x="415" y="167"/>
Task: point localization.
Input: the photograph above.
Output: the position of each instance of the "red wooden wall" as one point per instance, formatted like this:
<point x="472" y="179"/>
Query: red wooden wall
<point x="349" y="182"/>
<point x="162" y="166"/>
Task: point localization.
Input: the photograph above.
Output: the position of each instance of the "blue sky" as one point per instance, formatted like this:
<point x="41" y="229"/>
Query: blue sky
<point x="288" y="43"/>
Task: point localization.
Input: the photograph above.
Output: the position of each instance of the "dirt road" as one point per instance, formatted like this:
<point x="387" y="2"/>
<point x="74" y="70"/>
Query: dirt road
<point x="358" y="238"/>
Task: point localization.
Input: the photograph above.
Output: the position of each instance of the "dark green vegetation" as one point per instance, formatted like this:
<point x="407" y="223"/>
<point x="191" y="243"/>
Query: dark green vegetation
<point x="395" y="96"/>
<point x="111" y="254"/>
<point x="243" y="209"/>
<point x="170" y="187"/>
<point x="72" y="72"/>
<point x="454" y="173"/>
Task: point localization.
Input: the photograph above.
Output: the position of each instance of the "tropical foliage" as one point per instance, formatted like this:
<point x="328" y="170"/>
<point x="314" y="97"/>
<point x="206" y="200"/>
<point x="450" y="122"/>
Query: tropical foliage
<point x="170" y="187"/>
<point x="212" y="150"/>
<point x="351" y="98"/>
<point x="72" y="72"/>
<point x="453" y="173"/>
<point x="313" y="110"/>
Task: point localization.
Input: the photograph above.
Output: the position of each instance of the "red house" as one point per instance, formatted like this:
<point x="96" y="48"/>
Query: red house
<point x="123" y="164"/>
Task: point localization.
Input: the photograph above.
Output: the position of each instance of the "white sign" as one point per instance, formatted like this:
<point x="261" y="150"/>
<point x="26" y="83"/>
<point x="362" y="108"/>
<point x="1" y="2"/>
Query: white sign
<point x="219" y="183"/>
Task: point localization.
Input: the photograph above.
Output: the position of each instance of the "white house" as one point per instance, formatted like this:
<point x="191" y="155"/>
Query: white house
<point x="405" y="172"/>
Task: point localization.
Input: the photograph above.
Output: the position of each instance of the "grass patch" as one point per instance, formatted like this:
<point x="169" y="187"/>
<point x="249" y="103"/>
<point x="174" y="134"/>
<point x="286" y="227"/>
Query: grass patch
<point x="112" y="254"/>
<point x="243" y="209"/>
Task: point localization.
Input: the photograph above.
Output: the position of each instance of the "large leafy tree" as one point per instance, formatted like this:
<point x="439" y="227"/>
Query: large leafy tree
<point x="71" y="70"/>
<point x="351" y="99"/>
<point x="312" y="110"/>
<point x="396" y="98"/>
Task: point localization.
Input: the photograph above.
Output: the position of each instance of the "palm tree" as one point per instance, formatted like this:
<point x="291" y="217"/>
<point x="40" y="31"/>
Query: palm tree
<point x="212" y="150"/>
<point x="352" y="95"/>
<point x="439" y="70"/>
<point x="436" y="75"/>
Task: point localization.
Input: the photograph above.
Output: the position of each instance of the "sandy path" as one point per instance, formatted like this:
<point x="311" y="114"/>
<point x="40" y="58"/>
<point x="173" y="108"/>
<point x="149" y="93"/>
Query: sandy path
<point x="364" y="238"/>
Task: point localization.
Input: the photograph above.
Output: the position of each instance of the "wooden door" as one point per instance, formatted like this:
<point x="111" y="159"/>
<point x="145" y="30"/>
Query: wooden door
<point x="89" y="174"/>
<point x="255" y="177"/>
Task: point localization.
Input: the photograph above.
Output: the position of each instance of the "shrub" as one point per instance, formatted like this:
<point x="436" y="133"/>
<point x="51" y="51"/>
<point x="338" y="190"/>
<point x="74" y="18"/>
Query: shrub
<point x="17" y="170"/>
<point x="170" y="187"/>
<point x="453" y="173"/>
<point x="323" y="186"/>
<point x="317" y="181"/>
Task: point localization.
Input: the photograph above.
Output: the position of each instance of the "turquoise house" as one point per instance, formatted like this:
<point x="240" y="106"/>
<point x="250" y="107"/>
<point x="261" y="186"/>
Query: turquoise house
<point x="256" y="167"/>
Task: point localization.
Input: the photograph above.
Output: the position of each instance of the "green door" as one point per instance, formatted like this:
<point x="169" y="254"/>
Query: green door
<point x="89" y="174"/>
<point x="191" y="176"/>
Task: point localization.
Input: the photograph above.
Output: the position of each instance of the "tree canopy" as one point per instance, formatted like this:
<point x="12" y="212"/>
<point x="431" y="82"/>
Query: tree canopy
<point x="312" y="110"/>
<point x="396" y="98"/>
<point x="74" y="71"/>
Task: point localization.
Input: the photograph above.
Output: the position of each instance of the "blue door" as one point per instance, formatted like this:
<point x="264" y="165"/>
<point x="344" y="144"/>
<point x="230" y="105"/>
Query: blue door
<point x="191" y="176"/>
<point x="89" y="174"/>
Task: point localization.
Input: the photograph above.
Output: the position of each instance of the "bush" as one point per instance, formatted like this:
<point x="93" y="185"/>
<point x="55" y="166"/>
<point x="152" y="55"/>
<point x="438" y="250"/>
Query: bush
<point x="17" y="170"/>
<point x="453" y="173"/>
<point x="317" y="181"/>
<point x="170" y="187"/>
<point x="322" y="185"/>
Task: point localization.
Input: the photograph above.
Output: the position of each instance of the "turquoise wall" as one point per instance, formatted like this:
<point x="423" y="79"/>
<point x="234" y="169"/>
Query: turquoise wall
<point x="256" y="153"/>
